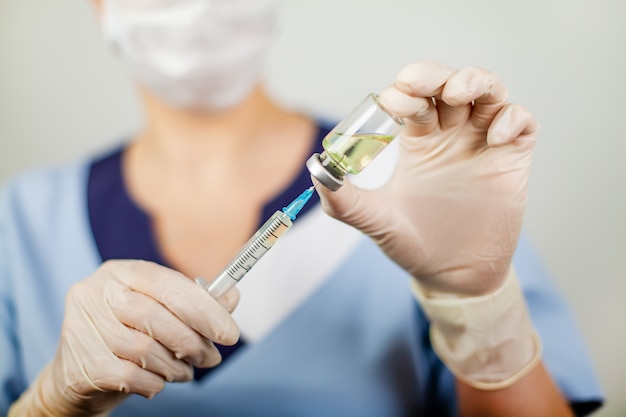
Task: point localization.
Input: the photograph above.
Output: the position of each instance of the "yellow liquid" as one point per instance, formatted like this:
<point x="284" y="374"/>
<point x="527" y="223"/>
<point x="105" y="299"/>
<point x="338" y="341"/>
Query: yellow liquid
<point x="352" y="153"/>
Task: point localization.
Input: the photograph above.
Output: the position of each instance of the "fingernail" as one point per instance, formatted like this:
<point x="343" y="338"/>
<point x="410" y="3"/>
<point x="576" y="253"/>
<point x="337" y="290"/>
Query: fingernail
<point x="501" y="133"/>
<point x="401" y="104"/>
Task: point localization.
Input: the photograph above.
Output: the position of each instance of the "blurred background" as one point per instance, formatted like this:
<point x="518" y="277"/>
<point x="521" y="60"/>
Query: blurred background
<point x="63" y="95"/>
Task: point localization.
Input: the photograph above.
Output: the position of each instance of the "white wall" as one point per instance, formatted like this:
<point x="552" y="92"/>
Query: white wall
<point x="61" y="95"/>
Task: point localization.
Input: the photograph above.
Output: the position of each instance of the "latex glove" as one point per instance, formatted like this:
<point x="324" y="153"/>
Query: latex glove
<point x="452" y="211"/>
<point x="129" y="328"/>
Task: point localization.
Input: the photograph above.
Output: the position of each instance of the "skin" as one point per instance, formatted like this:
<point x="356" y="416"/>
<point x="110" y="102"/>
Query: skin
<point x="191" y="158"/>
<point x="533" y="395"/>
<point x="182" y="159"/>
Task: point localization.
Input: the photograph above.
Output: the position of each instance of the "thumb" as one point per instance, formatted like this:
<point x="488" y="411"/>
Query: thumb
<point x="354" y="206"/>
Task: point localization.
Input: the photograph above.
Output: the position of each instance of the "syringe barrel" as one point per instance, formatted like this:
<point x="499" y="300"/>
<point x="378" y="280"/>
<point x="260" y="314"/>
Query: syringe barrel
<point x="258" y="245"/>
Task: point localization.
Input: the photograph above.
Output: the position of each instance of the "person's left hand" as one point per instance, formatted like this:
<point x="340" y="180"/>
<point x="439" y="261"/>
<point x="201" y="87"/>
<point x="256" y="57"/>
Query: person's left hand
<point x="452" y="212"/>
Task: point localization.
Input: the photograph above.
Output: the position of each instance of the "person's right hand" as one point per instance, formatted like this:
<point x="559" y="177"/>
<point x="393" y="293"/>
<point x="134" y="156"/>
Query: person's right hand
<point x="129" y="328"/>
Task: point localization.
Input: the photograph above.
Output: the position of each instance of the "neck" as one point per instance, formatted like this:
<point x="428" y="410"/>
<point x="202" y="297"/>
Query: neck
<point x="192" y="137"/>
<point x="254" y="145"/>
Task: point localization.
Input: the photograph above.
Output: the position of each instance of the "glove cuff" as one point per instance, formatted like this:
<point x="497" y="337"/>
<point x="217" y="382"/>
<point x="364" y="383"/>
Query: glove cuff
<point x="488" y="342"/>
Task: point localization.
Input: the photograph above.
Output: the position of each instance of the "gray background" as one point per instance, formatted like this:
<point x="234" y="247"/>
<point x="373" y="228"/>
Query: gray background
<point x="62" y="95"/>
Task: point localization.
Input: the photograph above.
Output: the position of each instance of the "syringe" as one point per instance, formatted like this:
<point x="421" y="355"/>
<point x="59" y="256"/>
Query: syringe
<point x="256" y="247"/>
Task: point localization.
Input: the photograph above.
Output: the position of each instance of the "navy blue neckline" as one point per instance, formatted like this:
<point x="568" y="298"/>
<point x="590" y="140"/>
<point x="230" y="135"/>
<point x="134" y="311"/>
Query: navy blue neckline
<point x="122" y="230"/>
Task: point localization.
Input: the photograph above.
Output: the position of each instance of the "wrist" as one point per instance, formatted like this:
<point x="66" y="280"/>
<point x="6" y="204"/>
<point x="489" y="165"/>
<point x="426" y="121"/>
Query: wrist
<point x="42" y="399"/>
<point x="486" y="341"/>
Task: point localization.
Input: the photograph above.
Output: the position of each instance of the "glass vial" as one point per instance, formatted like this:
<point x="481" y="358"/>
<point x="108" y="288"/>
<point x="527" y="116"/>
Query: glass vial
<point x="354" y="143"/>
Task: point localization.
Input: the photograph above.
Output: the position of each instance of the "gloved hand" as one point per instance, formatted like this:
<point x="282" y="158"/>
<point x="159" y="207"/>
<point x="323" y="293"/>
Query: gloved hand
<point x="452" y="211"/>
<point x="129" y="328"/>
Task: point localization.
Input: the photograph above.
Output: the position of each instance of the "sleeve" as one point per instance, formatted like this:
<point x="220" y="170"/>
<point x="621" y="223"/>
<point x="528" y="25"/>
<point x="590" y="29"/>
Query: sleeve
<point x="564" y="353"/>
<point x="11" y="383"/>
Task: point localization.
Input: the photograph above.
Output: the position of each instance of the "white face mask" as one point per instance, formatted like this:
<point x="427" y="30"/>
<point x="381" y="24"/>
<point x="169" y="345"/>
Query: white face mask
<point x="200" y="54"/>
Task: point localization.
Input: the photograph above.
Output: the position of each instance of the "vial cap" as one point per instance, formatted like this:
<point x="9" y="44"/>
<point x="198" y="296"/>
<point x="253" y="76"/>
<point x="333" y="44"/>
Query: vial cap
<point x="322" y="174"/>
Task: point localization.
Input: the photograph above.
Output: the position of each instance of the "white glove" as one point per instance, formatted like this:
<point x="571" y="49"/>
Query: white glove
<point x="129" y="328"/>
<point x="451" y="215"/>
<point x="452" y="212"/>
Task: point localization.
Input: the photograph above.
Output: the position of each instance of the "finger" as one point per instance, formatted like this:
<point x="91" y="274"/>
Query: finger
<point x="423" y="79"/>
<point x="179" y="294"/>
<point x="144" y="314"/>
<point x="477" y="86"/>
<point x="87" y="358"/>
<point x="127" y="378"/>
<point x="353" y="206"/>
<point x="513" y="124"/>
<point x="145" y="352"/>
<point x="230" y="300"/>
<point x="419" y="113"/>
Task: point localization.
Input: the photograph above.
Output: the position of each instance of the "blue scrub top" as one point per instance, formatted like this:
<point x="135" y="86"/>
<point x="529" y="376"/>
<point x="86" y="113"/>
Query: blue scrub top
<point x="358" y="345"/>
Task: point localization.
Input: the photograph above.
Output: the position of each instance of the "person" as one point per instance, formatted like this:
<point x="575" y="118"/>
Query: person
<point x="416" y="296"/>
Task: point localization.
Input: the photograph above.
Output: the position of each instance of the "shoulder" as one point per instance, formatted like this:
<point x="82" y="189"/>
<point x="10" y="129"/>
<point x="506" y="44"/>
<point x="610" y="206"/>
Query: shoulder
<point x="38" y="195"/>
<point x="44" y="217"/>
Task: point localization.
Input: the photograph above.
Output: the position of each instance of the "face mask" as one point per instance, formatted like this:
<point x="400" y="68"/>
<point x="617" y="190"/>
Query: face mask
<point x="199" y="54"/>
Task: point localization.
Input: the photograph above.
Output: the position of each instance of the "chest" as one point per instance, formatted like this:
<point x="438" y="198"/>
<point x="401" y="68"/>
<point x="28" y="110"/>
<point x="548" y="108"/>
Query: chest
<point x="200" y="239"/>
